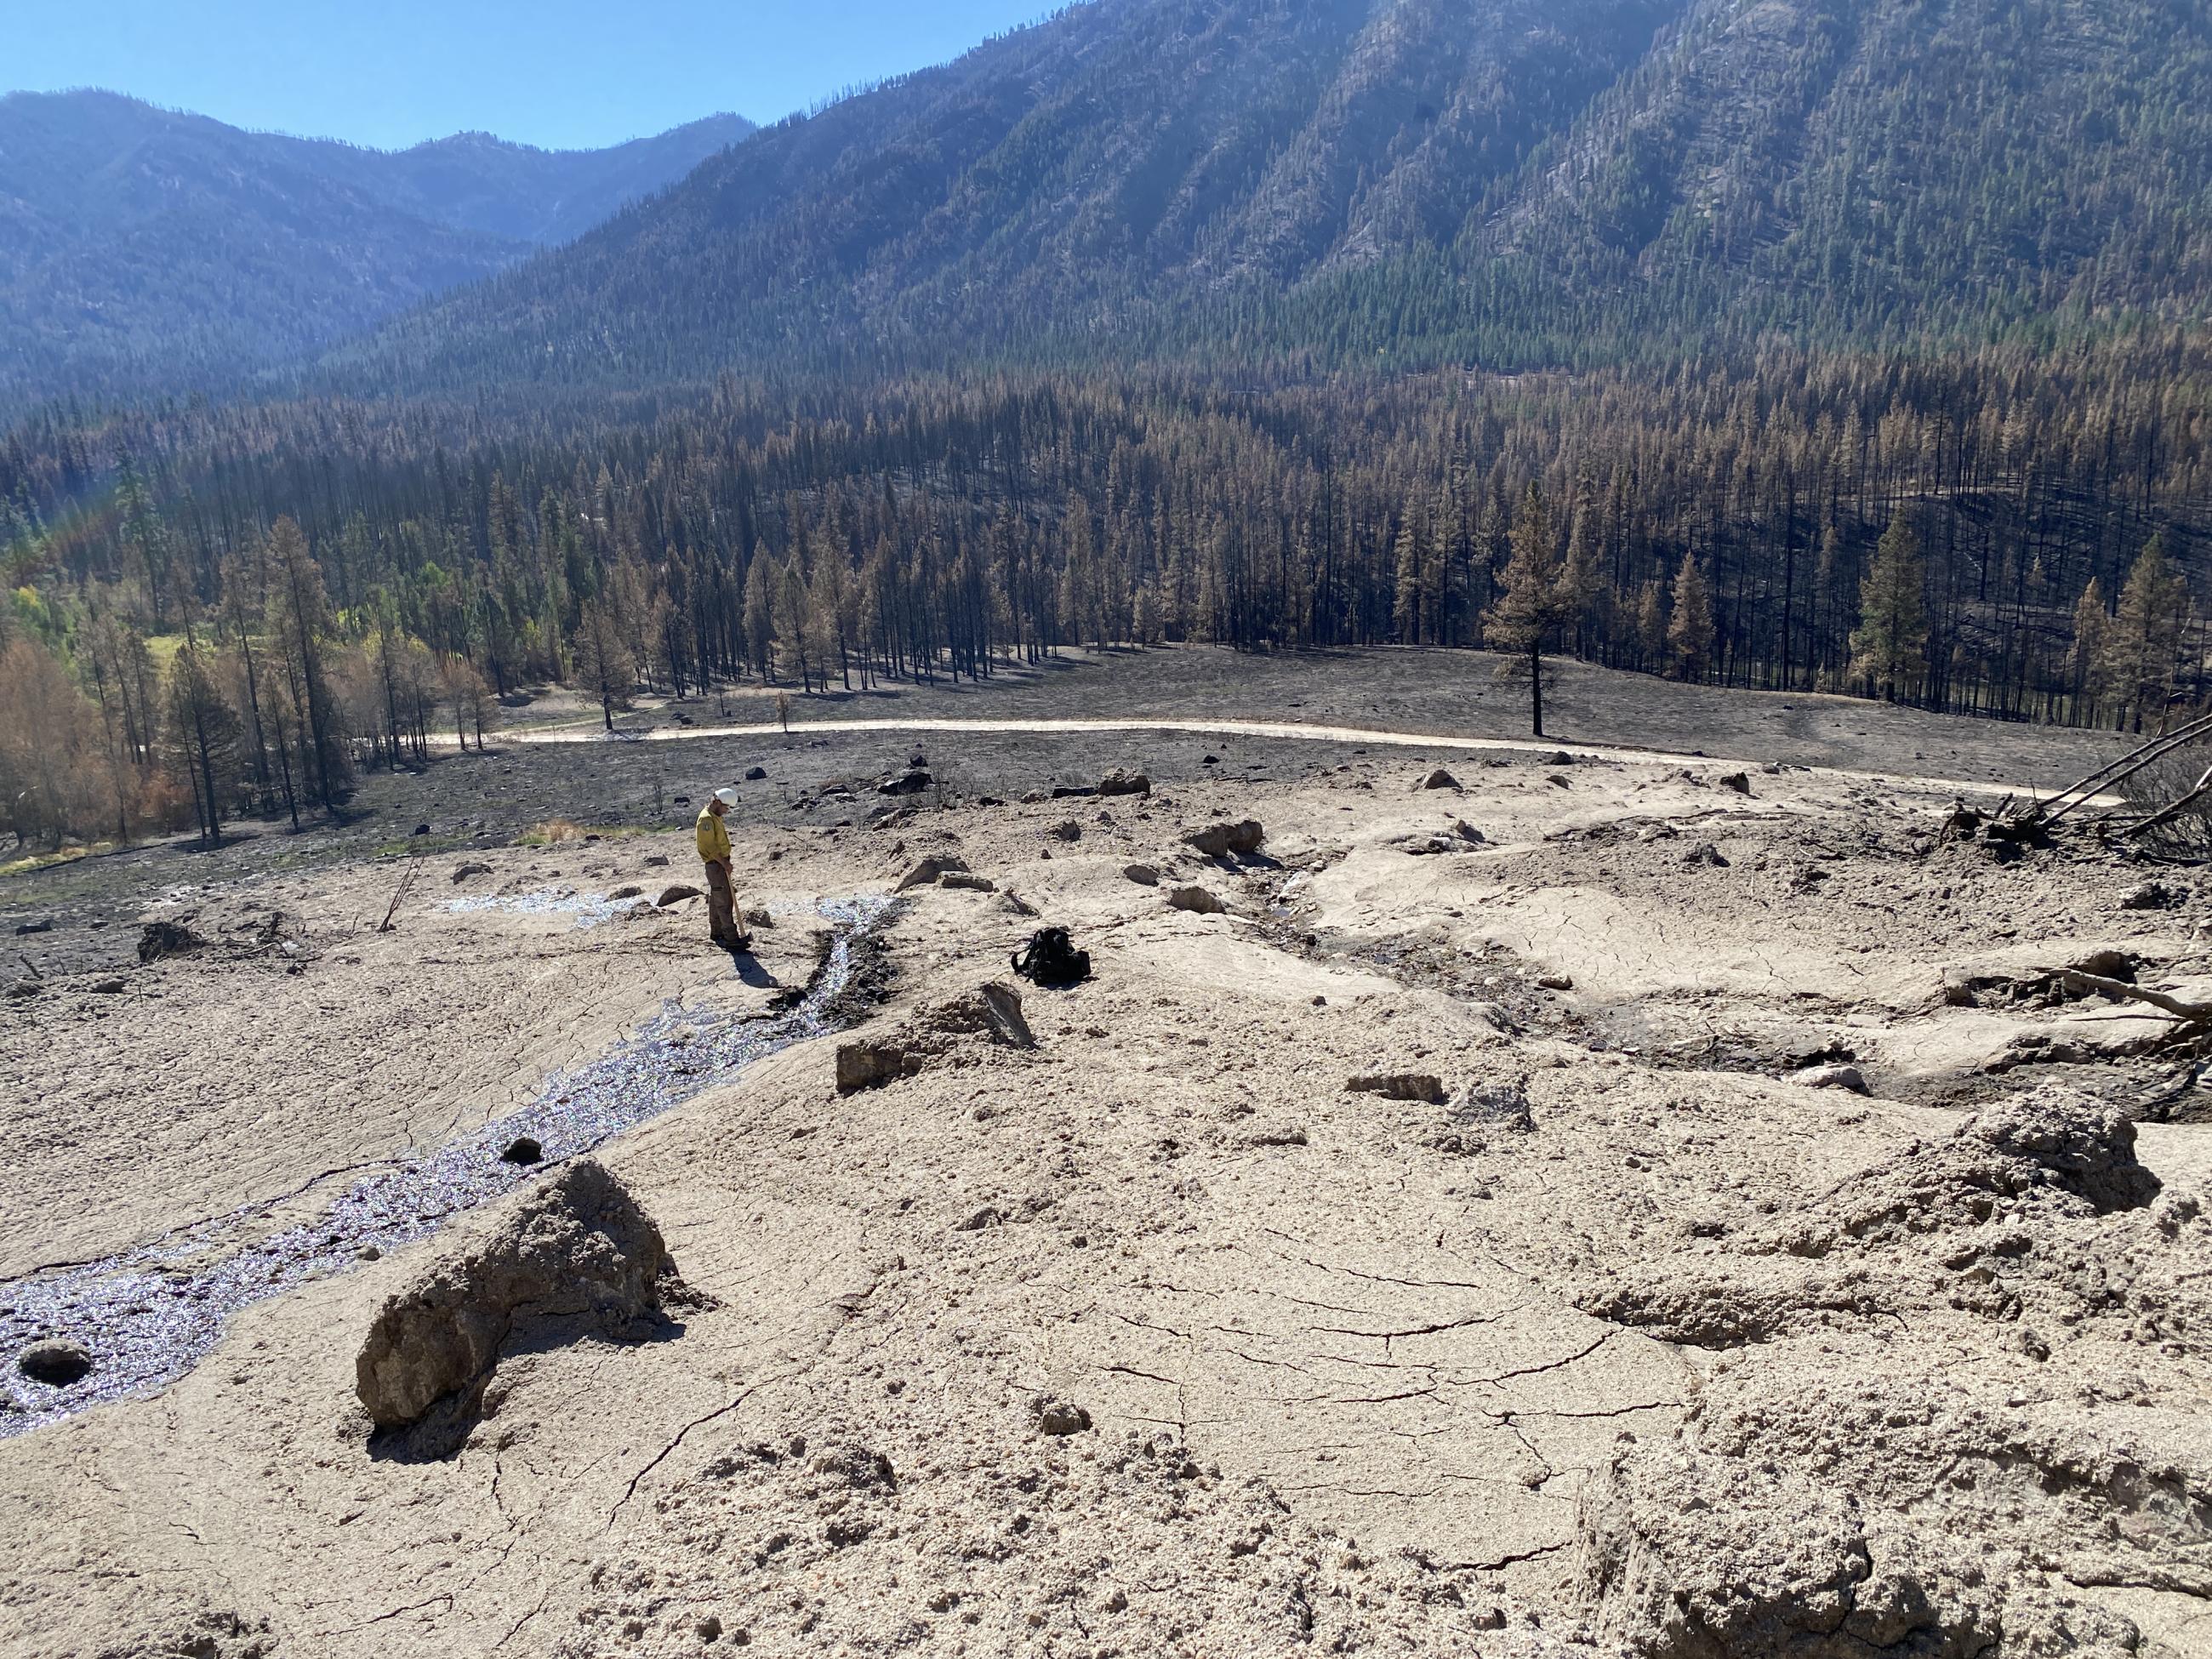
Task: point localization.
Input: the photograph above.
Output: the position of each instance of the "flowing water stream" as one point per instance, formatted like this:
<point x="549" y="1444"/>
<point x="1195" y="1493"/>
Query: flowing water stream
<point x="150" y="1313"/>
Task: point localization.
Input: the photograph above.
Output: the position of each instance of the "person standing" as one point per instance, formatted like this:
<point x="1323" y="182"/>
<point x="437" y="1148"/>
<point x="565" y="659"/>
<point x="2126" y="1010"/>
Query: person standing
<point x="714" y="853"/>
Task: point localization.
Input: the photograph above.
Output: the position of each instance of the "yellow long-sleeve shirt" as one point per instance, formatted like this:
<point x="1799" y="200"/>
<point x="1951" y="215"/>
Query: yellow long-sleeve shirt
<point x="714" y="839"/>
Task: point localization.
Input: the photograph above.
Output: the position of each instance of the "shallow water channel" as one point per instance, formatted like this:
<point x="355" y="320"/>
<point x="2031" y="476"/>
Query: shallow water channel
<point x="150" y="1313"/>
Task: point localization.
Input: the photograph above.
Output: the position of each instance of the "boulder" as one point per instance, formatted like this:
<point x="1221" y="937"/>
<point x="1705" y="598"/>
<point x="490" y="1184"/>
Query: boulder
<point x="930" y="871"/>
<point x="1221" y="841"/>
<point x="1143" y="874"/>
<point x="1197" y="900"/>
<point x="576" y="1249"/>
<point x="523" y="1149"/>
<point x="1738" y="781"/>
<point x="864" y="1064"/>
<point x="1440" y="778"/>
<point x="57" y="1362"/>
<point x="1125" y="783"/>
<point x="1400" y="1086"/>
<point x="675" y="894"/>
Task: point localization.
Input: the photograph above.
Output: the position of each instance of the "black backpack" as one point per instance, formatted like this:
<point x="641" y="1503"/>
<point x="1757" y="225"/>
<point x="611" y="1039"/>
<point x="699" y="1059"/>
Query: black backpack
<point x="1052" y="958"/>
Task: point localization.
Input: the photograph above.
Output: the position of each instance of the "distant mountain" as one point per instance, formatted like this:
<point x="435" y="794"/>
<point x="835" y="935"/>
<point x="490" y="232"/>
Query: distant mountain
<point x="1388" y="181"/>
<point x="144" y="249"/>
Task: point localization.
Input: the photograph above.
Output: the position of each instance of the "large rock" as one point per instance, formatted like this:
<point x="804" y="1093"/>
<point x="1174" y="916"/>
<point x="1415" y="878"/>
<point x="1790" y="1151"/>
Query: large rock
<point x="1125" y="783"/>
<point x="1221" y="841"/>
<point x="576" y="1249"/>
<point x="676" y="894"/>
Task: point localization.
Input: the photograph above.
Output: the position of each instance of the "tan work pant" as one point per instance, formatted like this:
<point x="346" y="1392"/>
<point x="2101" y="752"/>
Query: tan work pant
<point x="721" y="906"/>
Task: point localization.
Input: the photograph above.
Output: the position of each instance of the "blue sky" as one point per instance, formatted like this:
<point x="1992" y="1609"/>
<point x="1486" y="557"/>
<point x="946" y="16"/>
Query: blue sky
<point x="560" y="73"/>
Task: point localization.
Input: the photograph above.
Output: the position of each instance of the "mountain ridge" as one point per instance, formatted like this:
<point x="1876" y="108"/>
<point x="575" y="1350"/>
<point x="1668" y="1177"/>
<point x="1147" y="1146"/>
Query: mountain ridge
<point x="143" y="249"/>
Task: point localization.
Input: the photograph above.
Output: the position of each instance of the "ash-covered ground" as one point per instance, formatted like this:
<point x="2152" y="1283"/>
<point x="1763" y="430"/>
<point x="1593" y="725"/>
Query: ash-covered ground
<point x="1596" y="1319"/>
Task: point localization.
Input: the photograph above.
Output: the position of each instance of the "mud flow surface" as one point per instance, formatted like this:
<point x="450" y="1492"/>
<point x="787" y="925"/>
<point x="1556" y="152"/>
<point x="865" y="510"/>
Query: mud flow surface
<point x="152" y="1313"/>
<point x="1481" y="1202"/>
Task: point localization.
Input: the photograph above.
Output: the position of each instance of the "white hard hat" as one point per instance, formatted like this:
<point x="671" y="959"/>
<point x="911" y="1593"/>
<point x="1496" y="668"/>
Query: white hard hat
<point x="727" y="797"/>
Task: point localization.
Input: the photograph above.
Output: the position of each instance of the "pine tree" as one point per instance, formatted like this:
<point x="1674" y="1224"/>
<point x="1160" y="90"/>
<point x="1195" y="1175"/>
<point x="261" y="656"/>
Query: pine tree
<point x="1890" y="644"/>
<point x="1690" y="626"/>
<point x="2085" y="661"/>
<point x="1530" y="607"/>
<point x="2140" y="655"/>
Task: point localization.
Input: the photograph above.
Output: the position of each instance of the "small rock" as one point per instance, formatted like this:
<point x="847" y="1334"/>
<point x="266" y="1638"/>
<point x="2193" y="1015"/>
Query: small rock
<point x="1057" y="1417"/>
<point x="1067" y="830"/>
<point x="1211" y="760"/>
<point x="656" y="860"/>
<point x="1705" y="853"/>
<point x="675" y="894"/>
<point x="43" y="925"/>
<point x="24" y="987"/>
<point x="2154" y="896"/>
<point x="420" y="830"/>
<point x="1017" y="904"/>
<point x="910" y="782"/>
<point x="56" y="1363"/>
<point x="1556" y="982"/>
<point x="758" y="917"/>
<point x="1831" y="1077"/>
<point x="988" y="1216"/>
<point x="1143" y="874"/>
<point x="708" y="1629"/>
<point x="474" y="867"/>
<point x="1125" y="783"/>
<point x="622" y="893"/>
<point x="368" y="1252"/>
<point x="1400" y="1086"/>
<point x="1035" y="797"/>
<point x="864" y="1064"/>
<point x="1736" y="780"/>
<point x="522" y="1150"/>
<point x="755" y="775"/>
<point x="1074" y="791"/>
<point x="1489" y="1619"/>
<point x="1560" y="757"/>
<point x="1440" y="778"/>
<point x="1467" y="831"/>
<point x="1196" y="900"/>
<point x="929" y="871"/>
<point x="962" y="882"/>
<point x="107" y="987"/>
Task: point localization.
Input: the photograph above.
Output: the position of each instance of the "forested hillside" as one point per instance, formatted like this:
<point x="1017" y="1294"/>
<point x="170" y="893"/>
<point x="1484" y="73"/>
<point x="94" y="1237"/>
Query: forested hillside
<point x="1409" y="183"/>
<point x="143" y="249"/>
<point x="2001" y="532"/>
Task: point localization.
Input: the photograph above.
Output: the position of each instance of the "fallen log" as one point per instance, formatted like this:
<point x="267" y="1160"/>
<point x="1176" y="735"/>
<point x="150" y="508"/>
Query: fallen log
<point x="2192" y="1012"/>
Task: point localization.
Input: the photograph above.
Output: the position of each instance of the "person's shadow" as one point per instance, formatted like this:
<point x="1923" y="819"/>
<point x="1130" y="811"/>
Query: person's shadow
<point x="750" y="972"/>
